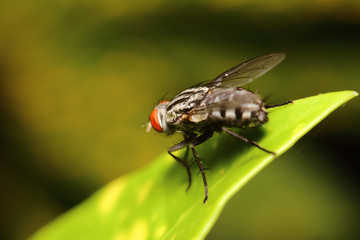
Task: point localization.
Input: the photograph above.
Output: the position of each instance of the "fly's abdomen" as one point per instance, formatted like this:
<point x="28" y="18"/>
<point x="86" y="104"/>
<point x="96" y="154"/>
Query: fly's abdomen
<point x="236" y="108"/>
<point x="249" y="115"/>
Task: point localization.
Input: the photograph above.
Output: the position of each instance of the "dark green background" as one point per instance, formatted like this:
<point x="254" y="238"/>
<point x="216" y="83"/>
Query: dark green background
<point x="79" y="79"/>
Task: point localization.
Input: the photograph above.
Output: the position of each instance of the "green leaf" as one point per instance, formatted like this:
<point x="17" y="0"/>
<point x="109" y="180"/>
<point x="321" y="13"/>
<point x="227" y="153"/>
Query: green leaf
<point x="152" y="203"/>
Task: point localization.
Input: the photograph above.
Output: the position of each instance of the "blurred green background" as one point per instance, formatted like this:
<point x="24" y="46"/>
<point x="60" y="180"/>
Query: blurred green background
<point x="80" y="78"/>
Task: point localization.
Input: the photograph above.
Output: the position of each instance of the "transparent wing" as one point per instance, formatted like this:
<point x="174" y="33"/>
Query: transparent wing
<point x="248" y="71"/>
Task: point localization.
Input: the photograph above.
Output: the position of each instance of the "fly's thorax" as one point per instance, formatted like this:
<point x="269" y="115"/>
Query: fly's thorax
<point x="187" y="99"/>
<point x="183" y="103"/>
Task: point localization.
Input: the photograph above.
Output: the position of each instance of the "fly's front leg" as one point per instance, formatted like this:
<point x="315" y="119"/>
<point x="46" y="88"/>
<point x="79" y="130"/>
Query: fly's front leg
<point x="183" y="144"/>
<point x="202" y="170"/>
<point x="197" y="141"/>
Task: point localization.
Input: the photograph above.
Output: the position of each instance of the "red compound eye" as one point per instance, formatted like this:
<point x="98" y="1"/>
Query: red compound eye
<point x="154" y="119"/>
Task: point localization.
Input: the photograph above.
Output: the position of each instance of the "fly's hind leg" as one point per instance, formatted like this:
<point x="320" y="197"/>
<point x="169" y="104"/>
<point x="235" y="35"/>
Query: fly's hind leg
<point x="246" y="140"/>
<point x="278" y="105"/>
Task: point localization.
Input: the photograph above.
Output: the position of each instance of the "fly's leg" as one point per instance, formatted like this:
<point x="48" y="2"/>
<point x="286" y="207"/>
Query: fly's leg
<point x="202" y="170"/>
<point x="246" y="140"/>
<point x="278" y="105"/>
<point x="197" y="141"/>
<point x="182" y="144"/>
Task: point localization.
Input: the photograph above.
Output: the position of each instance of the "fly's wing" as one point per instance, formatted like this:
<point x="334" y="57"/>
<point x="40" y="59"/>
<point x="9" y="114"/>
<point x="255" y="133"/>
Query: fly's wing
<point x="248" y="71"/>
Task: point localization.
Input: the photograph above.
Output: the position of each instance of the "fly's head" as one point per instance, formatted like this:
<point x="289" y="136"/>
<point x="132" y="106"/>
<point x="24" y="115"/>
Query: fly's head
<point x="158" y="119"/>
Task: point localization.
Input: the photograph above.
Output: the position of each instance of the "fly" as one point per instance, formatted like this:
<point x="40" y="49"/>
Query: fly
<point x="215" y="106"/>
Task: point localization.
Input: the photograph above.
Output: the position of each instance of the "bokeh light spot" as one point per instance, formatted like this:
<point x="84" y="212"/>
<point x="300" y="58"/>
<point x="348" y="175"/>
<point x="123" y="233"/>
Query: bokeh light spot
<point x="110" y="196"/>
<point x="139" y="231"/>
<point x="144" y="192"/>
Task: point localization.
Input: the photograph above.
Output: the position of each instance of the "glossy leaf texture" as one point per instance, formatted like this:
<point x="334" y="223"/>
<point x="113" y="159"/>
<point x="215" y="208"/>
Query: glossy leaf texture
<point x="151" y="203"/>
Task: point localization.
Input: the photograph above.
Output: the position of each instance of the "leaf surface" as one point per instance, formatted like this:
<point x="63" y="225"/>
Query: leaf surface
<point x="152" y="203"/>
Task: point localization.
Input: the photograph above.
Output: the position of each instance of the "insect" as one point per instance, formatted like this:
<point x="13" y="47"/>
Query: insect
<point x="215" y="106"/>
